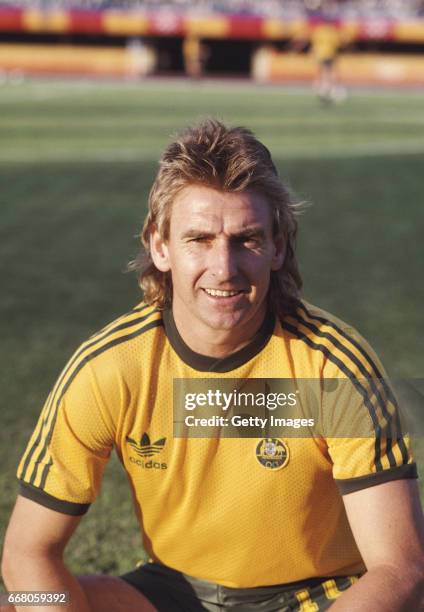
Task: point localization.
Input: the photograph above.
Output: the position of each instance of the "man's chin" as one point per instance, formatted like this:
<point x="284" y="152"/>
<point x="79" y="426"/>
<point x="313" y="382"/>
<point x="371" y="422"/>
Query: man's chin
<point x="228" y="322"/>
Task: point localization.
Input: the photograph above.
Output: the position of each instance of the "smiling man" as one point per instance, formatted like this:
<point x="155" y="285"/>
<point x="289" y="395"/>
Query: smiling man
<point x="221" y="256"/>
<point x="246" y="524"/>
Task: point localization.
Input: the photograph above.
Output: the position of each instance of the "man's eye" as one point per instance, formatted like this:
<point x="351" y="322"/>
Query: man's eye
<point x="251" y="242"/>
<point x="199" y="239"/>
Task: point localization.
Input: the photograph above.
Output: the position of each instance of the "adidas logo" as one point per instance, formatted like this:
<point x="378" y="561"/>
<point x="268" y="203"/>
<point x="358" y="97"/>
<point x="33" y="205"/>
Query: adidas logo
<point x="144" y="448"/>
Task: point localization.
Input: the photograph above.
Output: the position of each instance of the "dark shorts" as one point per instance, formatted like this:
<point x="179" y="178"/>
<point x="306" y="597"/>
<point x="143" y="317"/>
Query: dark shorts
<point x="172" y="591"/>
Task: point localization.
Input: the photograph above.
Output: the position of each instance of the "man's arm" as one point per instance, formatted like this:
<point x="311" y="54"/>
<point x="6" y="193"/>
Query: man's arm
<point x="33" y="554"/>
<point x="387" y="523"/>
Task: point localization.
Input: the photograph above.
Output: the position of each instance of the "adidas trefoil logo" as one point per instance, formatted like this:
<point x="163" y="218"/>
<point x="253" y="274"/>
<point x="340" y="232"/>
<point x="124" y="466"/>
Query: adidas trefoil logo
<point x="145" y="448"/>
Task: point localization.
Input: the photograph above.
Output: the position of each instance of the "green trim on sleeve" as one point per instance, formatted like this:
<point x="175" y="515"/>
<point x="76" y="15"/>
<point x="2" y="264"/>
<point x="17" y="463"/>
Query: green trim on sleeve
<point x="44" y="499"/>
<point x="350" y="485"/>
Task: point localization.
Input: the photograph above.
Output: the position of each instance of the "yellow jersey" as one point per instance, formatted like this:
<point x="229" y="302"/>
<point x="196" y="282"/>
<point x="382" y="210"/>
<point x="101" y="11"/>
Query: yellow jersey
<point x="325" y="41"/>
<point x="214" y="508"/>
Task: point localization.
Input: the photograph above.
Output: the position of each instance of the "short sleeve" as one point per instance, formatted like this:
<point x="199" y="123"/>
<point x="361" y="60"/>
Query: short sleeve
<point x="366" y="439"/>
<point x="63" y="464"/>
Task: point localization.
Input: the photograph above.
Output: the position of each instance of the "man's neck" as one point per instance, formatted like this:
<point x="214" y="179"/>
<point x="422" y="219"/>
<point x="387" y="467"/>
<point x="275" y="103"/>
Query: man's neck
<point x="217" y="343"/>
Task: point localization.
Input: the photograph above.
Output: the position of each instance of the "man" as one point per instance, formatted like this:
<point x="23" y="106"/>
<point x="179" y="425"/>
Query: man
<point x="195" y="54"/>
<point x="326" y="40"/>
<point x="230" y="524"/>
<point x="325" y="45"/>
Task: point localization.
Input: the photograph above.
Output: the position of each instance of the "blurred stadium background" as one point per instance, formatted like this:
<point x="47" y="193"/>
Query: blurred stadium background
<point x="79" y="153"/>
<point x="384" y="39"/>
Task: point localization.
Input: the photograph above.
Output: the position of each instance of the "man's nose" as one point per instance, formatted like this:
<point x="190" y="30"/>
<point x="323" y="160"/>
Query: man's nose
<point x="223" y="260"/>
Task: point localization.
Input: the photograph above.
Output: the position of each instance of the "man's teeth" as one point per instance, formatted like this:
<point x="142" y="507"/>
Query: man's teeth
<point x="220" y="293"/>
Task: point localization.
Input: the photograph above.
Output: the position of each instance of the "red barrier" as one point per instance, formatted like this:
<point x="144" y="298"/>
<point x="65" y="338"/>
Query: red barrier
<point x="169" y="23"/>
<point x="376" y="29"/>
<point x="245" y="27"/>
<point x="11" y="20"/>
<point x="86" y="22"/>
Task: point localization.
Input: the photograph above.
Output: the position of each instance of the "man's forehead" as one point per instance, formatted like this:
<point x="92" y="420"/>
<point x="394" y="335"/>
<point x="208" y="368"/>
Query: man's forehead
<point x="214" y="224"/>
<point x="204" y="208"/>
<point x="210" y="217"/>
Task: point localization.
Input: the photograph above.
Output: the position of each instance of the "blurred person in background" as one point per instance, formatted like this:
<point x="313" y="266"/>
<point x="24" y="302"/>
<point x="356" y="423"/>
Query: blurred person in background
<point x="325" y="41"/>
<point x="325" y="47"/>
<point x="195" y="55"/>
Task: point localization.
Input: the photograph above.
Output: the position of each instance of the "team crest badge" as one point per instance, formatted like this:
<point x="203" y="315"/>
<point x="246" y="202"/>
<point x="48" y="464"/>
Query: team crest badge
<point x="272" y="453"/>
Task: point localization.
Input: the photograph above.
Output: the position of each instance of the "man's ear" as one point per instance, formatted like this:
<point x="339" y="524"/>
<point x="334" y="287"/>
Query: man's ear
<point x="159" y="251"/>
<point x="280" y="248"/>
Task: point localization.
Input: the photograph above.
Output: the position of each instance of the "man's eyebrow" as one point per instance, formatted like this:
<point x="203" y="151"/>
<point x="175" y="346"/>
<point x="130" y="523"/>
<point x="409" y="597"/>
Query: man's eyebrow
<point x="195" y="233"/>
<point x="247" y="232"/>
<point x="250" y="232"/>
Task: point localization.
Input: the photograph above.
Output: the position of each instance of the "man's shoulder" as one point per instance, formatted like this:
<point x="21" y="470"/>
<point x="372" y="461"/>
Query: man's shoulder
<point x="307" y="316"/>
<point x="141" y="318"/>
<point x="337" y="340"/>
<point x="325" y="320"/>
<point x="136" y="328"/>
<point x="322" y="317"/>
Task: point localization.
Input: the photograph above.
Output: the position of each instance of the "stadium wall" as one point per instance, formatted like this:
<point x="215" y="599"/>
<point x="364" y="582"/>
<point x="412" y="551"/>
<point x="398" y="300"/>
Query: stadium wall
<point x="269" y="65"/>
<point x="121" y="62"/>
<point x="135" y="44"/>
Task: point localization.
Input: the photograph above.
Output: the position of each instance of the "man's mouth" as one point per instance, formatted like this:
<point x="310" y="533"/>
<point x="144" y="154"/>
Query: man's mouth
<point x="221" y="293"/>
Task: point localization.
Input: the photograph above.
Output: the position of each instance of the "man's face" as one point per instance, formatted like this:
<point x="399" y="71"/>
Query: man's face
<point x="220" y="254"/>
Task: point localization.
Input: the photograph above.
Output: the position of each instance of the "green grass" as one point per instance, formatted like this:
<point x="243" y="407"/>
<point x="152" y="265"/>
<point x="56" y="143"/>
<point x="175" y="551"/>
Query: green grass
<point x="76" y="163"/>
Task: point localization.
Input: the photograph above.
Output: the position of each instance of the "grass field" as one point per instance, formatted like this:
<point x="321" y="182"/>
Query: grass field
<point x="76" y="163"/>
